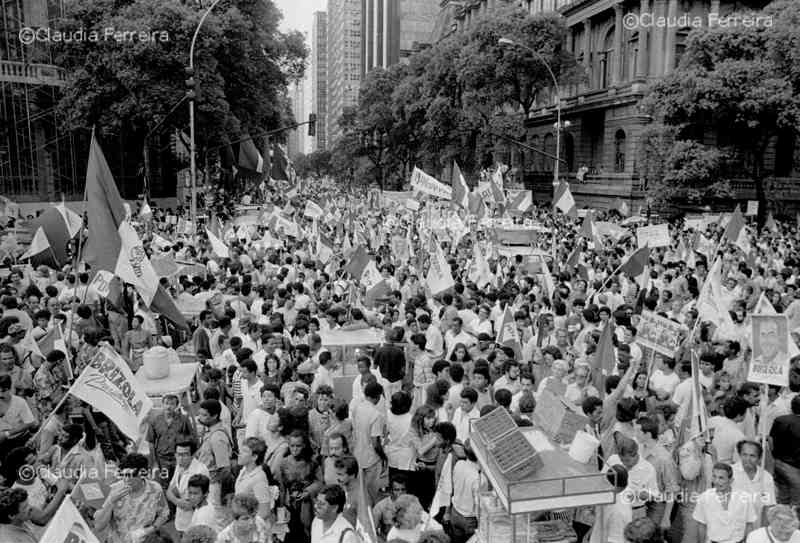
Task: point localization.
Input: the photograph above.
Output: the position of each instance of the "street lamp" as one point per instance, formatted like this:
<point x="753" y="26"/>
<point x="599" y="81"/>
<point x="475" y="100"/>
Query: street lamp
<point x="512" y="43"/>
<point x="191" y="95"/>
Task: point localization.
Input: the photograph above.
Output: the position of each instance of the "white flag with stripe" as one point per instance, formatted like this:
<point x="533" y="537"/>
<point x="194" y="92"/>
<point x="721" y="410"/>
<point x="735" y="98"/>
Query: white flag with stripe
<point x="133" y="266"/>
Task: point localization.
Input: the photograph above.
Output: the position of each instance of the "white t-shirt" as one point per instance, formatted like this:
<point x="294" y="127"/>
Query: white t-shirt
<point x="724" y="525"/>
<point x="761" y="536"/>
<point x="668" y="383"/>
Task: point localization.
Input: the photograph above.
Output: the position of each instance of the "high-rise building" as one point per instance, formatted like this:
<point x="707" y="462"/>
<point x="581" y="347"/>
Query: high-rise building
<point x="295" y="142"/>
<point x="319" y="79"/>
<point x="344" y="62"/>
<point x="38" y="158"/>
<point x="393" y="30"/>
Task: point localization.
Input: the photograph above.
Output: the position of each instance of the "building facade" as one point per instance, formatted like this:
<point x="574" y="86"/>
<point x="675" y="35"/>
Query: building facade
<point x="295" y="142"/>
<point x="344" y="62"/>
<point x="393" y="30"/>
<point x="319" y="79"/>
<point x="38" y="159"/>
<point x="602" y="120"/>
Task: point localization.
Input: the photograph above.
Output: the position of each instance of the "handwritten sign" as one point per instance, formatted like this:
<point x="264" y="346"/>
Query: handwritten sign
<point x="770" y="364"/>
<point x="752" y="208"/>
<point x="658" y="333"/>
<point x="422" y="182"/>
<point x="653" y="236"/>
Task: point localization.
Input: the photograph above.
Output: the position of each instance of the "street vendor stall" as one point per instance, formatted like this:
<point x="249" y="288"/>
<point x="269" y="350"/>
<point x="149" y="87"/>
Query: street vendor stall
<point x="530" y="474"/>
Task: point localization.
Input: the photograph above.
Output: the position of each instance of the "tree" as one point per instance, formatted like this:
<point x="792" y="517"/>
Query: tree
<point x="740" y="81"/>
<point x="125" y="87"/>
<point x="315" y="165"/>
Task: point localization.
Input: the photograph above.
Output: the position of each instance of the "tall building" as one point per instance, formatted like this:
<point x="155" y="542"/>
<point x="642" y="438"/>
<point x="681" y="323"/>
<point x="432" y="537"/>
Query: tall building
<point x="344" y="62"/>
<point x="38" y="158"/>
<point x="295" y="142"/>
<point x="319" y="79"/>
<point x="393" y="30"/>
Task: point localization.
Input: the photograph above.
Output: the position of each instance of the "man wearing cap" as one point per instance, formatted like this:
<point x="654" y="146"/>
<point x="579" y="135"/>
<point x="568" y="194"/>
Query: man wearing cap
<point x="305" y="376"/>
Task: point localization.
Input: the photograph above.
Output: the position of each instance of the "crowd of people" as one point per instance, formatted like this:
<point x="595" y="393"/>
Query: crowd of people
<point x="272" y="448"/>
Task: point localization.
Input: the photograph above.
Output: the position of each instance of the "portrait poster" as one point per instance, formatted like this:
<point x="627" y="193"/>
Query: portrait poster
<point x="770" y="362"/>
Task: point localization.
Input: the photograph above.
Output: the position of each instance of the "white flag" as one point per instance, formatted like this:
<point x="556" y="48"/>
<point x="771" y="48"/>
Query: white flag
<point x="219" y="248"/>
<point x="133" y="266"/>
<point x="39" y="244"/>
<point x="102" y="282"/>
<point x="313" y="211"/>
<point x="108" y="385"/>
<point x="68" y="526"/>
<point x="370" y="277"/>
<point x="439" y="276"/>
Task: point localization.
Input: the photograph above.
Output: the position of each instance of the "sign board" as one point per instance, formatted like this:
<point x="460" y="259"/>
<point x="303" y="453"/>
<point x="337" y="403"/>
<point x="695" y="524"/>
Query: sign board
<point x="770" y="363"/>
<point x="557" y="418"/>
<point x="658" y="333"/>
<point x="752" y="208"/>
<point x="656" y="235"/>
<point x="422" y="182"/>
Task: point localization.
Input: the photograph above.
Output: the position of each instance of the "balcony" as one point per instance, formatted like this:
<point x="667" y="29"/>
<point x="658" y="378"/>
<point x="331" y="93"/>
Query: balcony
<point x="32" y="74"/>
<point x="578" y="98"/>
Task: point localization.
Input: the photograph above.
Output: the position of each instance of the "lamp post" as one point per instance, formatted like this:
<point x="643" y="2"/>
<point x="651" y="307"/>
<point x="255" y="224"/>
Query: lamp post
<point x="510" y="42"/>
<point x="191" y="95"/>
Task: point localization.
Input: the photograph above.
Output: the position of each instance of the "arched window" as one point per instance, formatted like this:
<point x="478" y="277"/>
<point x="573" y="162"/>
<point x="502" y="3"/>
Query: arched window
<point x="619" y="151"/>
<point x="632" y="62"/>
<point x="568" y="152"/>
<point x="550" y="149"/>
<point x="606" y="60"/>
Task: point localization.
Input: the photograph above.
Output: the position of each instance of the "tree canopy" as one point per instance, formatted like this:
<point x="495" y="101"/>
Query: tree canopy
<point x="125" y="87"/>
<point x="452" y="100"/>
<point x="741" y="83"/>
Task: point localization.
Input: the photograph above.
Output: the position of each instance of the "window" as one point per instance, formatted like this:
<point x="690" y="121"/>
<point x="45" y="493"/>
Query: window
<point x="550" y="149"/>
<point x="680" y="44"/>
<point x="632" y="62"/>
<point x="607" y="60"/>
<point x="619" y="151"/>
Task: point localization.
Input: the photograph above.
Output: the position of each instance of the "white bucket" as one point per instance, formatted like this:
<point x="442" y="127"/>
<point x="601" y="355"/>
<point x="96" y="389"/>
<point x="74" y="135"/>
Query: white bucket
<point x="583" y="447"/>
<point x="156" y="363"/>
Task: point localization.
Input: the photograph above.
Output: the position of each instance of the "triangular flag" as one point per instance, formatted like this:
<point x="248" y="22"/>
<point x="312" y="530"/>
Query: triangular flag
<point x="507" y="333"/>
<point x="108" y="385"/>
<point x="358" y="261"/>
<point x="104" y="247"/>
<point x="324" y="249"/>
<point x="480" y="273"/>
<point x="249" y="157"/>
<point x="709" y="303"/>
<point x="521" y="203"/>
<point x="770" y="223"/>
<point x="574" y="258"/>
<point x="73" y="221"/>
<point x="563" y="200"/>
<point x="313" y="211"/>
<point x="736" y="231"/>
<point x="549" y="285"/>
<point x="68" y="526"/>
<point x="39" y="244"/>
<point x="636" y="263"/>
<point x="460" y="194"/>
<point x="146" y="212"/>
<point x="440" y="277"/>
<point x="219" y="248"/>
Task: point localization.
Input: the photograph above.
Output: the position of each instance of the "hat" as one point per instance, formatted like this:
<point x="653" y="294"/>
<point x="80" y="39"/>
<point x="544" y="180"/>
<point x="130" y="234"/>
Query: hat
<point x="16" y="329"/>
<point x="483" y="336"/>
<point x="306" y="367"/>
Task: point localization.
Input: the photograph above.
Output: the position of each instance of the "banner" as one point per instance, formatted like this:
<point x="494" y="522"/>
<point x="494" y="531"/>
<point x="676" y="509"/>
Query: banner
<point x="108" y="385"/>
<point x="68" y="526"/>
<point x="440" y="277"/>
<point x="653" y="236"/>
<point x="422" y="182"/>
<point x="752" y="208"/>
<point x="770" y="364"/>
<point x="658" y="333"/>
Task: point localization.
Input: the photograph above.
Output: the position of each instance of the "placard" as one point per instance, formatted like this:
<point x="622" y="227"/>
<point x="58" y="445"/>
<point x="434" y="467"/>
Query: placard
<point x="752" y="208"/>
<point x="770" y="363"/>
<point x="656" y="235"/>
<point x="658" y="333"/>
<point x="557" y="418"/>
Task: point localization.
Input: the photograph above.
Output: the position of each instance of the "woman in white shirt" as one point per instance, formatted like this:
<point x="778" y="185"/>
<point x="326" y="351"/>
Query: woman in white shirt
<point x="252" y="480"/>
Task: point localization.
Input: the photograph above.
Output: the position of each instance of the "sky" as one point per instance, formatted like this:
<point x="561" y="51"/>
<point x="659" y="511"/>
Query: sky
<point x="299" y="14"/>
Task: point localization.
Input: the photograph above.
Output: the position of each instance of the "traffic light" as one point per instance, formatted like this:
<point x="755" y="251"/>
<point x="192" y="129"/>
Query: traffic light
<point x="312" y="124"/>
<point x="191" y="84"/>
